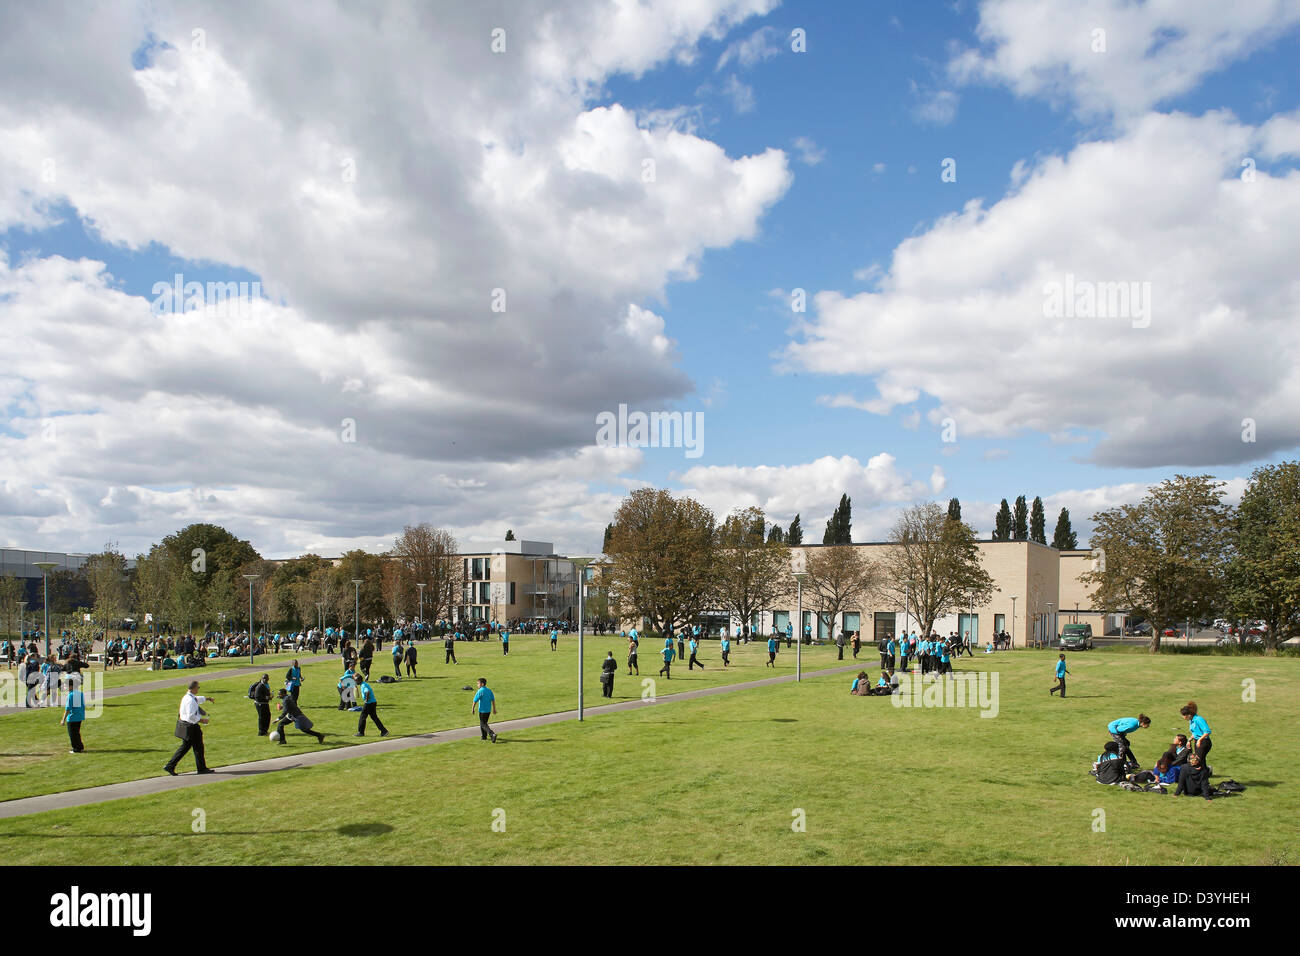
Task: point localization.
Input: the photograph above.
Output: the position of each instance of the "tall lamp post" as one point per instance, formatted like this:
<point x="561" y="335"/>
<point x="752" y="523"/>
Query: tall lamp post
<point x="421" y="588"/>
<point x="581" y="626"/>
<point x="22" y="606"/>
<point x="356" y="609"/>
<point x="320" y="619"/>
<point x="250" y="578"/>
<point x="46" y="567"/>
<point x="1013" y="620"/>
<point x="799" y="575"/>
<point x="907" y="609"/>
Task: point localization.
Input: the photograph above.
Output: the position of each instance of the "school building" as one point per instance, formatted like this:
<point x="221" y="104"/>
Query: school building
<point x="518" y="580"/>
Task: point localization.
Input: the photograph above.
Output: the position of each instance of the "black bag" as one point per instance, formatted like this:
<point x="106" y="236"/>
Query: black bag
<point x="183" y="730"/>
<point x="387" y="679"/>
<point x="251" y="688"/>
<point x="1227" y="788"/>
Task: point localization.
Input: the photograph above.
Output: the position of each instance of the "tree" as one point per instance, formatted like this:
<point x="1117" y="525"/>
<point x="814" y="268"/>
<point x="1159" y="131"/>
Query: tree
<point x="510" y="534"/>
<point x="794" y="537"/>
<point x="1264" y="575"/>
<point x="752" y="572"/>
<point x="839" y="578"/>
<point x="12" y="591"/>
<point x="954" y="509"/>
<point x="663" y="554"/>
<point x="776" y="535"/>
<point x="1037" y="522"/>
<point x="934" y="565"/>
<point x="1064" y="538"/>
<point x="609" y="531"/>
<point x="397" y="590"/>
<point x="1002" y="523"/>
<point x="432" y="555"/>
<point x="368" y="600"/>
<point x="106" y="575"/>
<point x="1162" y="559"/>
<point x="1020" y="523"/>
<point x="839" y="529"/>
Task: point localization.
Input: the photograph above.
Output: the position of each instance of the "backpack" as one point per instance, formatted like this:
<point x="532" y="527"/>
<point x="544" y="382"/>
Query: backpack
<point x="387" y="679"/>
<point x="252" y="687"/>
<point x="1227" y="788"/>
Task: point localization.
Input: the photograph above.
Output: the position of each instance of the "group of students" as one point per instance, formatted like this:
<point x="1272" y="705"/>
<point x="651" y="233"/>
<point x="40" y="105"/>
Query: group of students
<point x="1184" y="765"/>
<point x="934" y="654"/>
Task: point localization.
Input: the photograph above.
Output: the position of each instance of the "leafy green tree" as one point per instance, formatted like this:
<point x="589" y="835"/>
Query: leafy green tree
<point x="1037" y="522"/>
<point x="954" y="509"/>
<point x="775" y="535"/>
<point x="1002" y="523"/>
<point x="1264" y="575"/>
<point x="510" y="534"/>
<point x="663" y="559"/>
<point x="1163" y="558"/>
<point x="752" y="572"/>
<point x="794" y="537"/>
<point x="839" y="528"/>
<point x="1064" y="538"/>
<point x="934" y="565"/>
<point x="1020" y="521"/>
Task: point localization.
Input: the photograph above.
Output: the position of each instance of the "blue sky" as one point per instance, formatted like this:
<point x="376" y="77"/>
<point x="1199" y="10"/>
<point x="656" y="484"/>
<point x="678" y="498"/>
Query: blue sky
<point x="218" y="158"/>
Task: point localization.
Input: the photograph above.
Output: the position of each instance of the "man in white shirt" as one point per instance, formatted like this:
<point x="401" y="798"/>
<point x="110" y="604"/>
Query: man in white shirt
<point x="190" y="731"/>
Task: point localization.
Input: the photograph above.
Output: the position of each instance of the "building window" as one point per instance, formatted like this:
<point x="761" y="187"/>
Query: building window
<point x="512" y="592"/>
<point x="885" y="625"/>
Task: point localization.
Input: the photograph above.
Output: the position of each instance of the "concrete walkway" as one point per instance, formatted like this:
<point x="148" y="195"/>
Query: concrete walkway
<point x="151" y="785"/>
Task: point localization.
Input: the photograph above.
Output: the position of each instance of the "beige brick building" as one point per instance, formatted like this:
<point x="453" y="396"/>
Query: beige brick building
<point x="519" y="580"/>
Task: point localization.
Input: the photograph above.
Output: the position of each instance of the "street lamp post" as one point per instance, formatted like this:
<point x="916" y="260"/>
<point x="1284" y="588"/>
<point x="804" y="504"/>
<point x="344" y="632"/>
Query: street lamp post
<point x="421" y="588"/>
<point x="356" y="610"/>
<point x="250" y="578"/>
<point x="46" y="567"/>
<point x="320" y="619"/>
<point x="22" y="606"/>
<point x="581" y="622"/>
<point x="798" y="654"/>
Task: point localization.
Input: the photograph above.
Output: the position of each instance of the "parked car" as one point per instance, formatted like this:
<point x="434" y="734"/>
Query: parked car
<point x="1076" y="637"/>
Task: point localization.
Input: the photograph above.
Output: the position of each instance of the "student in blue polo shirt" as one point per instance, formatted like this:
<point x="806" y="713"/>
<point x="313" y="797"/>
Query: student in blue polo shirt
<point x="1120" y="729"/>
<point x="725" y="646"/>
<point x="1197" y="729"/>
<point x="485" y="702"/>
<point x="369" y="709"/>
<point x="789" y="634"/>
<point x="668" y="653"/>
<point x="695" y="647"/>
<point x="771" y="652"/>
<point x="505" y="642"/>
<point x="293" y="680"/>
<point x="398" y="651"/>
<point x="74" y="713"/>
<point x="1061" y="671"/>
<point x="555" y="638"/>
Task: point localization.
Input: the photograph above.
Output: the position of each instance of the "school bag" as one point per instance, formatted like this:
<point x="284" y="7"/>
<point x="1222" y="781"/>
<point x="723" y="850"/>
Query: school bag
<point x="1228" y="788"/>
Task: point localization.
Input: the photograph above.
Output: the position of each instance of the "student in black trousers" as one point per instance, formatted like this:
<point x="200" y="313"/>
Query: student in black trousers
<point x="410" y="660"/>
<point x="607" y="669"/>
<point x="449" y="645"/>
<point x="262" y="701"/>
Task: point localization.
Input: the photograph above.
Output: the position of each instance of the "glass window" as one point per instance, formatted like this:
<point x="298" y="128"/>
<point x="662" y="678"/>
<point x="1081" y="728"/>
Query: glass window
<point x="780" y="619"/>
<point x="884" y="625"/>
<point x="852" y="622"/>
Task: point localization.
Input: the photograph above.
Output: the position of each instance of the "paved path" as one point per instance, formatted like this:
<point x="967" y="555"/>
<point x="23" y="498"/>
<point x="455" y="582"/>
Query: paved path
<point x="151" y="785"/>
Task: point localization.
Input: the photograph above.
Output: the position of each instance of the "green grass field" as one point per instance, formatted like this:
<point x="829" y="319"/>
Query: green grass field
<point x="132" y="739"/>
<point x="713" y="780"/>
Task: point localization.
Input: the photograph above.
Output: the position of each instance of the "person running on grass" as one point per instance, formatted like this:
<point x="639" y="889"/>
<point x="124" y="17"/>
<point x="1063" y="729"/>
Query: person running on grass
<point x="485" y="702"/>
<point x="505" y="642"/>
<point x="398" y="653"/>
<point x="771" y="652"/>
<point x="695" y="649"/>
<point x="1061" y="671"/>
<point x="725" y="646"/>
<point x="1119" y="730"/>
<point x="555" y="638"/>
<point x="668" y="654"/>
<point x="290" y="713"/>
<point x="631" y="657"/>
<point x="369" y="709"/>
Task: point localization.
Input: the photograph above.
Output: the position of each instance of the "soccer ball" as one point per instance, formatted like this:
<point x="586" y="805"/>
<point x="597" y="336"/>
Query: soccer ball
<point x="275" y="736"/>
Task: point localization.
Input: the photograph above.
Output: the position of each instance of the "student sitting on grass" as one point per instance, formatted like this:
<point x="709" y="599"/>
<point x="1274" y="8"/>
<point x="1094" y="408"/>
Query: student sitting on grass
<point x="1108" y="766"/>
<point x="1195" y="778"/>
<point x="1161" y="774"/>
<point x="1178" y="751"/>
